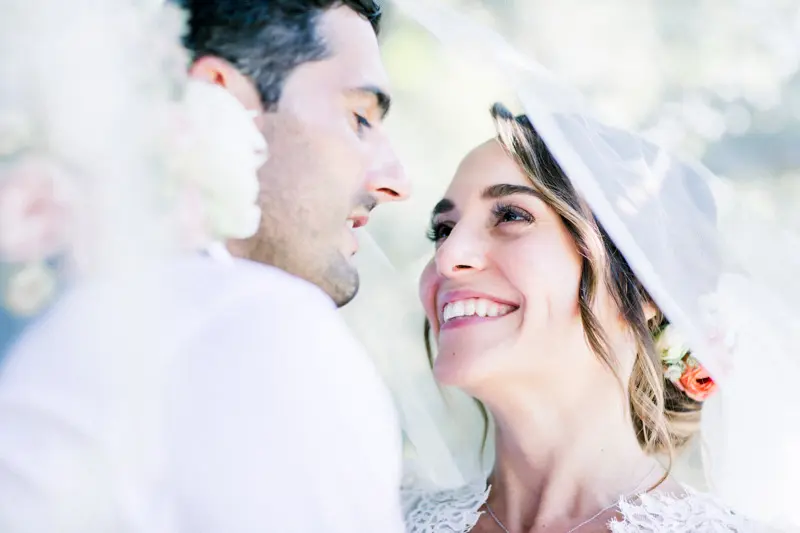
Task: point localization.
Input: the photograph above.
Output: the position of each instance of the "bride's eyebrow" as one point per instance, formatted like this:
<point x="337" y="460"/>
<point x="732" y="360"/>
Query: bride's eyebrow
<point x="491" y="192"/>
<point x="500" y="190"/>
<point x="443" y="206"/>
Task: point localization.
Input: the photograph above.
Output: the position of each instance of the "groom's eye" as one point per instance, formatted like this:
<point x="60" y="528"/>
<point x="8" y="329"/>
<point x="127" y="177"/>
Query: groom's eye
<point x="361" y="123"/>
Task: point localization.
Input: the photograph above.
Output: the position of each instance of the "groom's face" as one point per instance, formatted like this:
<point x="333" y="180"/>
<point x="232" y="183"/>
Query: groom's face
<point x="330" y="160"/>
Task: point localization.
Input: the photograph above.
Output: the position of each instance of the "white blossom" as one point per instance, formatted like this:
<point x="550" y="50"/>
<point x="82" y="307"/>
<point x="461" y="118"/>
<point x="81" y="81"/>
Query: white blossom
<point x="218" y="152"/>
<point x="671" y="346"/>
<point x="674" y="372"/>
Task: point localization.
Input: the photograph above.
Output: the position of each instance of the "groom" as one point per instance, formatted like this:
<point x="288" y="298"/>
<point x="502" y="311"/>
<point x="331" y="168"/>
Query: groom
<point x="311" y="70"/>
<point x="268" y="415"/>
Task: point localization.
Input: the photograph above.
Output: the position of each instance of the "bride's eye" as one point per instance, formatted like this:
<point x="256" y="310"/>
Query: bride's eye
<point x="439" y="231"/>
<point x="505" y="213"/>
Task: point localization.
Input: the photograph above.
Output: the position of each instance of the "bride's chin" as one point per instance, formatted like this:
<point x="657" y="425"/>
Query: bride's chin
<point x="454" y="370"/>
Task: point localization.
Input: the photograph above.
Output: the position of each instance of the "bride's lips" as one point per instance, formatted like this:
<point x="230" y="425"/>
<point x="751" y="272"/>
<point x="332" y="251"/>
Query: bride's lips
<point x="463" y="308"/>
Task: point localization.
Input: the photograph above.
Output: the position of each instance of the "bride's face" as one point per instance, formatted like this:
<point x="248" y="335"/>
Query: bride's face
<point x="502" y="290"/>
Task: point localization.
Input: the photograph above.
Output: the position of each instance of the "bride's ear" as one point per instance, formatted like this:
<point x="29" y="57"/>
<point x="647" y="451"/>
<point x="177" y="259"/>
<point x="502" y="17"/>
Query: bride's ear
<point x="216" y="70"/>
<point x="650" y="311"/>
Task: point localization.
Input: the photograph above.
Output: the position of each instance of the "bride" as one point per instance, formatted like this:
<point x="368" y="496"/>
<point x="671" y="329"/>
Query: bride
<point x="539" y="317"/>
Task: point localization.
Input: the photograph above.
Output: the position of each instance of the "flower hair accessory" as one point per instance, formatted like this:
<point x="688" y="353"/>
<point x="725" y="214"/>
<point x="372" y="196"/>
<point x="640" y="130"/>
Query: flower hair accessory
<point x="683" y="370"/>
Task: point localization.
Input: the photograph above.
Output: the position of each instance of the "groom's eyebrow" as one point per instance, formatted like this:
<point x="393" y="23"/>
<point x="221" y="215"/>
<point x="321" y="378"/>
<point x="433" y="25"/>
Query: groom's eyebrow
<point x="501" y="190"/>
<point x="382" y="98"/>
<point x="373" y="92"/>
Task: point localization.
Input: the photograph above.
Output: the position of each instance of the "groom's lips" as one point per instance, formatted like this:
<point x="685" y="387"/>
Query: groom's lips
<point x="359" y="220"/>
<point x="355" y="222"/>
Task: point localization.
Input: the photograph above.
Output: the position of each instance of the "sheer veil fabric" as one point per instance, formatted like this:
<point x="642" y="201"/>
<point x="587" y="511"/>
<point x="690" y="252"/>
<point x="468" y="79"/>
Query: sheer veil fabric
<point x="724" y="276"/>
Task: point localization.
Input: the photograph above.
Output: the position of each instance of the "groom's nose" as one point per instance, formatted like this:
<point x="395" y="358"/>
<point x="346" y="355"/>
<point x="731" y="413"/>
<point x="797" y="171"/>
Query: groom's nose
<point x="386" y="178"/>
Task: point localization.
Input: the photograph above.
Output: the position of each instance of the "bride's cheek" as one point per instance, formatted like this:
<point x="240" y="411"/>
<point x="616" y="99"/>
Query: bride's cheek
<point x="428" y="285"/>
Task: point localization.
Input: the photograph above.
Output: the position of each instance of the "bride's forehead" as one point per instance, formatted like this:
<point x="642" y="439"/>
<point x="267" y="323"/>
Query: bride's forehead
<point x="486" y="165"/>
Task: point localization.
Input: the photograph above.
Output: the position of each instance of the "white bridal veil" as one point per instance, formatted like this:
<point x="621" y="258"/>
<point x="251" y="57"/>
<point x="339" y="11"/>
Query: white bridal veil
<point x="725" y="275"/>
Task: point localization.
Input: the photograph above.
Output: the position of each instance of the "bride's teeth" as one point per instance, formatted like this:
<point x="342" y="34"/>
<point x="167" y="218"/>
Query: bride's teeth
<point x="446" y="313"/>
<point x="469" y="308"/>
<point x="351" y="223"/>
<point x="474" y="307"/>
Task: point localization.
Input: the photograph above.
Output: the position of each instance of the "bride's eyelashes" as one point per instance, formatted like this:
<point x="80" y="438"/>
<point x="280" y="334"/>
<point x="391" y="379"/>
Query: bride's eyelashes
<point x="507" y="213"/>
<point x="439" y="231"/>
<point x="503" y="213"/>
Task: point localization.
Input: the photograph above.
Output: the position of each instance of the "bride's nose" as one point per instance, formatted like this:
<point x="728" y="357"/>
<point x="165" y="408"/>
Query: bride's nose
<point x="463" y="251"/>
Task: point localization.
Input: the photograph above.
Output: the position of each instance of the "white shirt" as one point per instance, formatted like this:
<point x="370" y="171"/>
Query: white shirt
<point x="215" y="398"/>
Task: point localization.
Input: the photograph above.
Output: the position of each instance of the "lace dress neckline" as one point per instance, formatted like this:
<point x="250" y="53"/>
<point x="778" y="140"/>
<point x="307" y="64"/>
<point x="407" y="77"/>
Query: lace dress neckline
<point x="458" y="510"/>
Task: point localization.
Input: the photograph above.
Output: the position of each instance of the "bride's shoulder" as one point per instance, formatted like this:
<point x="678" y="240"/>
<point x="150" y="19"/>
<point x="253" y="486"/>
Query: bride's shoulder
<point x="451" y="510"/>
<point x="692" y="511"/>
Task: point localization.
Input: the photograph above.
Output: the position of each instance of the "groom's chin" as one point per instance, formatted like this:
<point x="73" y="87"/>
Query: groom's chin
<point x="342" y="283"/>
<point x="344" y="297"/>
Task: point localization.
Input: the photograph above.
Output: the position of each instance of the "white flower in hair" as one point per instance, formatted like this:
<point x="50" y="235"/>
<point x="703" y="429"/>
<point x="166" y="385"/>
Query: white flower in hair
<point x="671" y="346"/>
<point x="674" y="372"/>
<point x="213" y="162"/>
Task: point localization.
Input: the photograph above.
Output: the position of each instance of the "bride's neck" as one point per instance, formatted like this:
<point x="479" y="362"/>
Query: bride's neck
<point x="558" y="461"/>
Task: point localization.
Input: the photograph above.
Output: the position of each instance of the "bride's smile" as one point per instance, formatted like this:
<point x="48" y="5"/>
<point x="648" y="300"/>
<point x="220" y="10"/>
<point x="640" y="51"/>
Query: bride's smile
<point x="465" y="307"/>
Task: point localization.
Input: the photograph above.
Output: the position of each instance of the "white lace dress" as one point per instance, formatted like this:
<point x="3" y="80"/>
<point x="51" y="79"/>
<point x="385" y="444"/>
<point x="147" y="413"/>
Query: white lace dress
<point x="458" y="510"/>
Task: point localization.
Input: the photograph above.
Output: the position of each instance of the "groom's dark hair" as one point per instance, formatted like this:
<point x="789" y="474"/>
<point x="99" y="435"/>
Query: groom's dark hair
<point x="265" y="39"/>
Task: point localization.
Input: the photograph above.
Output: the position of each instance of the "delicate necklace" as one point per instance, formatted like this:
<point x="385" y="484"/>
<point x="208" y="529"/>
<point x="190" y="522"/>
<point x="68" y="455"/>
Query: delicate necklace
<point x="601" y="511"/>
<point x="494" y="517"/>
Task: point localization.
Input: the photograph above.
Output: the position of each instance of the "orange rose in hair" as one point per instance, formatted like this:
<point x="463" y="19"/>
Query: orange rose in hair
<point x="696" y="383"/>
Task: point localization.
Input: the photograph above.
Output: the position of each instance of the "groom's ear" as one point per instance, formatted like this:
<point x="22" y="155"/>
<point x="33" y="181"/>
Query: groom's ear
<point x="216" y="70"/>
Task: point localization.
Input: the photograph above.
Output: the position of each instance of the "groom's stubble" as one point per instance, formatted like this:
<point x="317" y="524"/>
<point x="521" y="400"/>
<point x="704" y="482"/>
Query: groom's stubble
<point x="305" y="208"/>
